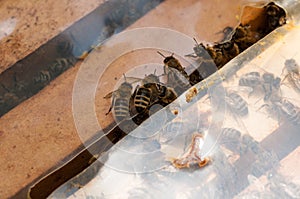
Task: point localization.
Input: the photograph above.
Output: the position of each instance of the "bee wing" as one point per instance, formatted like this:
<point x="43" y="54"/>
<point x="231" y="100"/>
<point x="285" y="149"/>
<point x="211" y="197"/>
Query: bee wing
<point x="133" y="80"/>
<point x="175" y="74"/>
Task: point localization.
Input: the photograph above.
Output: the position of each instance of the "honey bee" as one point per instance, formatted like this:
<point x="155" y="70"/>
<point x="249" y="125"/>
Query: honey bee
<point x="236" y="104"/>
<point x="145" y="96"/>
<point x="270" y="85"/>
<point x="291" y="68"/>
<point x="177" y="77"/>
<point x="193" y="156"/>
<point x="230" y="138"/>
<point x="60" y="65"/>
<point x="206" y="66"/>
<point x="248" y="143"/>
<point x="229" y="50"/>
<point x="244" y="37"/>
<point x="283" y="109"/>
<point x="199" y="51"/>
<point x="120" y="101"/>
<point x="251" y="79"/>
<point x="290" y="111"/>
<point x="150" y="93"/>
<point x="43" y="77"/>
<point x="275" y="17"/>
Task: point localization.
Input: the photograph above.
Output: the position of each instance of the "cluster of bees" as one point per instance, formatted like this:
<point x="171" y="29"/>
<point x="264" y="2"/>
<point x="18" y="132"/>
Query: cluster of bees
<point x="136" y="105"/>
<point x="237" y="40"/>
<point x="271" y="87"/>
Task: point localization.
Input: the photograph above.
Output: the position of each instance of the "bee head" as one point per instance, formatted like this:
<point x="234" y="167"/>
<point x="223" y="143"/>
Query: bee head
<point x="268" y="77"/>
<point x="291" y="65"/>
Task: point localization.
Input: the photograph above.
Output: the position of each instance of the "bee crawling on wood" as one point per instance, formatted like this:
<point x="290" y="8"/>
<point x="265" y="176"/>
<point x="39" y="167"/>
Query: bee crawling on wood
<point x="150" y="92"/>
<point x="120" y="101"/>
<point x="193" y="156"/>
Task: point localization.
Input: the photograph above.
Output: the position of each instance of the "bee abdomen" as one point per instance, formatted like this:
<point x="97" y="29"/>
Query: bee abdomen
<point x="121" y="108"/>
<point x="239" y="104"/>
<point x="142" y="99"/>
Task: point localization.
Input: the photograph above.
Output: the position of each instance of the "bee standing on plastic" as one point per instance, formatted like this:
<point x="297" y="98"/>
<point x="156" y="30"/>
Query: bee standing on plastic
<point x="251" y="79"/>
<point x="271" y="86"/>
<point x="289" y="111"/>
<point x="120" y="101"/>
<point x="236" y="104"/>
<point x="292" y="74"/>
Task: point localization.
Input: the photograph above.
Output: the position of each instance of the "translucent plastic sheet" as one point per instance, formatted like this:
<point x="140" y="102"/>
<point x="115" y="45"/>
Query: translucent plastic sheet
<point x="248" y="115"/>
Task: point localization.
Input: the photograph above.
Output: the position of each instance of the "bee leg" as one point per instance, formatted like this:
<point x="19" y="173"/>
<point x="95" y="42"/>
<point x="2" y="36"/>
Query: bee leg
<point x="108" y="110"/>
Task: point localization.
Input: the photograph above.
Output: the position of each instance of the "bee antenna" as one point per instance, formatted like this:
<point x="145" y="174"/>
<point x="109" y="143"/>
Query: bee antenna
<point x="172" y="54"/>
<point x="154" y="72"/>
<point x="161" y="54"/>
<point x="124" y="77"/>
<point x="195" y="40"/>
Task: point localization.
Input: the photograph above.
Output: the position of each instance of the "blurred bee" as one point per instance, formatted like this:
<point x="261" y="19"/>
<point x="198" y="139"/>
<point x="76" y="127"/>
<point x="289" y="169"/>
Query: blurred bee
<point x="193" y="156"/>
<point x="283" y="109"/>
<point x="236" y="104"/>
<point x="292" y="75"/>
<point x="227" y="33"/>
<point x="248" y="143"/>
<point x="199" y="51"/>
<point x="177" y="78"/>
<point x="290" y="111"/>
<point x="60" y="65"/>
<point x="270" y="85"/>
<point x="251" y="79"/>
<point x="275" y="17"/>
<point x="43" y="77"/>
<point x="230" y="138"/>
<point x="244" y="37"/>
<point x="229" y="50"/>
<point x="120" y="101"/>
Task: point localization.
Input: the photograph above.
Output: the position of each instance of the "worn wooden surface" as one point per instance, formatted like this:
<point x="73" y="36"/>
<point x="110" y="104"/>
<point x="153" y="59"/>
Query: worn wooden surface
<point x="32" y="23"/>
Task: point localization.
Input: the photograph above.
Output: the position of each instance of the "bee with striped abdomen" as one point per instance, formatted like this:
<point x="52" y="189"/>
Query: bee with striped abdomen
<point x="120" y="101"/>
<point x="236" y="104"/>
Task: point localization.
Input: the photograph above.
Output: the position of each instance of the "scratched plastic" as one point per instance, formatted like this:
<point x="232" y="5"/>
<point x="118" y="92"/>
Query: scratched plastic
<point x="249" y="117"/>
